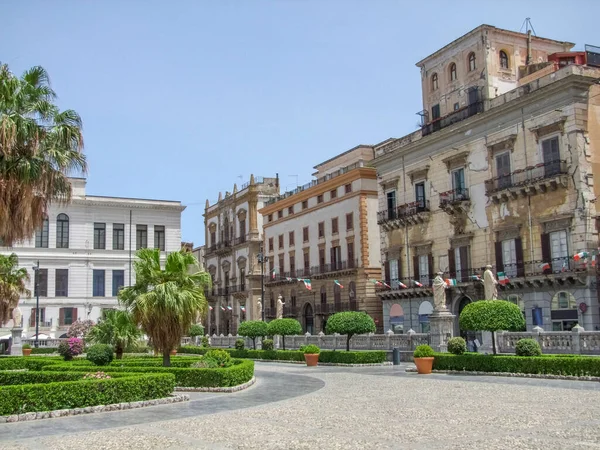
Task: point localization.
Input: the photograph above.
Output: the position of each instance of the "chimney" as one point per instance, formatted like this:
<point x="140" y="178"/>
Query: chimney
<point x="277" y="180"/>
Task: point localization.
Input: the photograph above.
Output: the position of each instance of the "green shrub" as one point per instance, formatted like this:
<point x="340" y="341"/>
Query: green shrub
<point x="221" y="357"/>
<point x="528" y="347"/>
<point x="31" y="363"/>
<point x="192" y="349"/>
<point x="423" y="351"/>
<point x="350" y="323"/>
<point x="100" y="354"/>
<point x="457" y="345"/>
<point x="267" y="344"/>
<point x="44" y="350"/>
<point x="283" y="328"/>
<point x="26" y="347"/>
<point x="253" y="329"/>
<point x="367" y="357"/>
<point x="18" y="399"/>
<point x="205" y="363"/>
<point x="205" y="342"/>
<point x="196" y="330"/>
<point x="310" y="349"/>
<point x="239" y="344"/>
<point x="9" y="377"/>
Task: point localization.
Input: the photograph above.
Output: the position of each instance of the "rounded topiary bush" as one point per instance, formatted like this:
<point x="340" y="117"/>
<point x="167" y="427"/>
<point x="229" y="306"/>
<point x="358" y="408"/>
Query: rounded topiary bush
<point x="239" y="344"/>
<point x="222" y="358"/>
<point x="457" y="345"/>
<point x="100" y="354"/>
<point x="528" y="347"/>
<point x="205" y="342"/>
<point x="310" y="349"/>
<point x="423" y="351"/>
<point x="267" y="344"/>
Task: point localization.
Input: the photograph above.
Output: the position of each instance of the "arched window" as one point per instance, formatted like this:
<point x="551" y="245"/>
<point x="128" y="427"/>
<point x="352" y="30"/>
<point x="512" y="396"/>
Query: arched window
<point x="337" y="298"/>
<point x="425" y="309"/>
<point x="564" y="314"/>
<point x="453" y="72"/>
<point x="41" y="235"/>
<point x="397" y="319"/>
<point x="563" y="300"/>
<point x="62" y="231"/>
<point x="503" y="59"/>
<point x="323" y="295"/>
<point x="472" y="65"/>
<point x="434" y="82"/>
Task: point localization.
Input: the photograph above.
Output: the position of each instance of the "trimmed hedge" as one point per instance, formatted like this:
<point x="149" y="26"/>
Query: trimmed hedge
<point x="18" y="399"/>
<point x="44" y="350"/>
<point x="343" y="357"/>
<point x="31" y="363"/>
<point x="550" y="365"/>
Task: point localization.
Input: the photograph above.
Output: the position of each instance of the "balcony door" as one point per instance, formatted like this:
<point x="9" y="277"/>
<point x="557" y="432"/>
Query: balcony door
<point x="503" y="170"/>
<point x="558" y="250"/>
<point x="458" y="183"/>
<point x="391" y="205"/>
<point x="394" y="275"/>
<point x="420" y="194"/>
<point x="551" y="156"/>
<point x="509" y="258"/>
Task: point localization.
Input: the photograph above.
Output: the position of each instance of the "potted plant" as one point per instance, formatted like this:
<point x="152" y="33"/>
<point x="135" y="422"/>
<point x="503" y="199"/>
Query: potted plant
<point x="173" y="352"/>
<point x="423" y="356"/>
<point x="26" y="349"/>
<point x="311" y="354"/>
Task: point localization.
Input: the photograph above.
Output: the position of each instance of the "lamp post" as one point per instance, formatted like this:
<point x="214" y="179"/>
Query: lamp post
<point x="36" y="270"/>
<point x="262" y="259"/>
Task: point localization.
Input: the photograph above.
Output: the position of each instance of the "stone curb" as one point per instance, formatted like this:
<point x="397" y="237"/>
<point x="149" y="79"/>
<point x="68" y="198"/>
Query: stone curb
<point x="237" y="388"/>
<point x="93" y="409"/>
<point x="387" y="363"/>
<point x="513" y="375"/>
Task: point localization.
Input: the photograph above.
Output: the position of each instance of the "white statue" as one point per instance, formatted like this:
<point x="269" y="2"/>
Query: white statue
<point x="490" y="284"/>
<point x="279" y="307"/>
<point x="439" y="292"/>
<point x="16" y="316"/>
<point x="259" y="309"/>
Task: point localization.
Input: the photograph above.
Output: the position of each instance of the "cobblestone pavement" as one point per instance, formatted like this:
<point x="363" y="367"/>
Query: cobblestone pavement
<point x="296" y="407"/>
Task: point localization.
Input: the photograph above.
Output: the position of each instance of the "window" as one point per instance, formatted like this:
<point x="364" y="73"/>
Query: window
<point x="305" y="234"/>
<point x="558" y="250"/>
<point x="270" y="217"/>
<point x="291" y="210"/>
<point x="336" y="258"/>
<point x="280" y="214"/>
<point x="118" y="281"/>
<point x="394" y="274"/>
<point x="435" y="112"/>
<point x="118" y="236"/>
<point x="67" y="316"/>
<point x="333" y="194"/>
<point x="305" y="204"/>
<point x="563" y="312"/>
<point x="337" y="297"/>
<point x="458" y="183"/>
<point x="61" y="288"/>
<point x="280" y="239"/>
<point x="352" y="295"/>
<point x="323" y="295"/>
<point x="242" y="230"/>
<point x="41" y="235"/>
<point x="281" y="264"/>
<point x="321" y="229"/>
<point x="42" y="283"/>
<point x="141" y="236"/>
<point x="458" y="260"/>
<point x="503" y="170"/>
<point x="334" y="225"/>
<point x="503" y="60"/>
<point x="243" y="279"/>
<point x="509" y="258"/>
<point x="350" y="249"/>
<point x="292" y="263"/>
<point x="472" y="65"/>
<point x="291" y="238"/>
<point x="453" y="72"/>
<point x="420" y="194"/>
<point x="348" y="188"/>
<point x="551" y="155"/>
<point x="322" y="259"/>
<point x="320" y="198"/>
<point x="456" y="106"/>
<point x="213" y="238"/>
<point x="306" y="260"/>
<point x="434" y="82"/>
<point x="271" y="247"/>
<point x="98" y="283"/>
<point x="391" y="204"/>
<point x="100" y="236"/>
<point x="159" y="237"/>
<point x="349" y="221"/>
<point x="41" y="319"/>
<point x="517" y="300"/>
<point x="424" y="269"/>
<point x="62" y="231"/>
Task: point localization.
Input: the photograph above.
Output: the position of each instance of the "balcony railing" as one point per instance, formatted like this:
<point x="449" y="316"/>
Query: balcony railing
<point x="525" y="176"/>
<point x="453" y="196"/>
<point x="403" y="211"/>
<point x="452" y="118"/>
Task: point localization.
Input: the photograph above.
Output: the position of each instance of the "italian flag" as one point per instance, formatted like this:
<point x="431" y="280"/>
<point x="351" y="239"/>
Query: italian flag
<point x="451" y="282"/>
<point x="273" y="272"/>
<point x="338" y="283"/>
<point x="229" y="308"/>
<point x="376" y="283"/>
<point x="580" y="255"/>
<point x="210" y="307"/>
<point x="476" y="277"/>
<point x="386" y="285"/>
<point x="222" y="308"/>
<point x="545" y="266"/>
<point x="401" y="284"/>
<point x="502" y="278"/>
<point x="288" y="279"/>
<point x="307" y="284"/>
<point x="417" y="283"/>
<point x="243" y="308"/>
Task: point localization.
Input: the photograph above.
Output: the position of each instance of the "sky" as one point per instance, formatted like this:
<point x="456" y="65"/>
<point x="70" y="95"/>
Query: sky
<point x="182" y="99"/>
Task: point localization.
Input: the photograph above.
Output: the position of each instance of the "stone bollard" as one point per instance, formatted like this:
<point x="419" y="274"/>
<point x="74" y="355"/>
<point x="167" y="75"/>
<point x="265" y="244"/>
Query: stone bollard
<point x="388" y="339"/>
<point x="576" y="339"/>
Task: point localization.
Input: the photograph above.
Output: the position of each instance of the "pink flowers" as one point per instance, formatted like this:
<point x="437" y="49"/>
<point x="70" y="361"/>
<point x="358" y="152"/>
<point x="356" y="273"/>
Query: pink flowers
<point x="96" y="376"/>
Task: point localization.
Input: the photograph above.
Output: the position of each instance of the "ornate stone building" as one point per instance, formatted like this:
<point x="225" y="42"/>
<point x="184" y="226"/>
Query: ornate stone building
<point x="324" y="232"/>
<point x="507" y="176"/>
<point x="233" y="235"/>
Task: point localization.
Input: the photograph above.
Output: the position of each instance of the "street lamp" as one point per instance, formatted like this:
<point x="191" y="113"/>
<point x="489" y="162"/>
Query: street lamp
<point x="36" y="269"/>
<point x="262" y="259"/>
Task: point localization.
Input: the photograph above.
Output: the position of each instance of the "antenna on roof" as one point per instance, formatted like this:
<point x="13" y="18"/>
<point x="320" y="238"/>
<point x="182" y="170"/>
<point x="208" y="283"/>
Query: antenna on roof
<point x="528" y="26"/>
<point x="528" y="29"/>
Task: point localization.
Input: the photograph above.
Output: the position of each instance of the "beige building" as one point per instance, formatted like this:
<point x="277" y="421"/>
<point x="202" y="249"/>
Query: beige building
<point x="325" y="232"/>
<point x="233" y="236"/>
<point x="509" y="179"/>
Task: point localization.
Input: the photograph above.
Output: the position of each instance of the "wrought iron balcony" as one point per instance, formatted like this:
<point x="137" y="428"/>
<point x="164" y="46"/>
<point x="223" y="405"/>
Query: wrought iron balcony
<point x="452" y="118"/>
<point x="455" y="200"/>
<point x="409" y="213"/>
<point x="529" y="181"/>
<point x="316" y="270"/>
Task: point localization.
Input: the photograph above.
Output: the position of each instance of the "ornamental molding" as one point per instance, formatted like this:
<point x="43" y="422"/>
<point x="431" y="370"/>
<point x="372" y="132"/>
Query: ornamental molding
<point x="503" y="143"/>
<point x="418" y="173"/>
<point x="456" y="160"/>
<point x="556" y="125"/>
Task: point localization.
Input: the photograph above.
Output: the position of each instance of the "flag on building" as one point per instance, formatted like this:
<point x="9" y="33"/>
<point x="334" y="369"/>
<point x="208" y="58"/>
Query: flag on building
<point x="288" y="279"/>
<point x="376" y="283"/>
<point x="299" y="279"/>
<point x="338" y="283"/>
<point x="564" y="266"/>
<point x="210" y="307"/>
<point x="243" y="308"/>
<point x="417" y="283"/>
<point x="594" y="261"/>
<point x="386" y="285"/>
<point x="545" y="266"/>
<point x="273" y="272"/>
<point x="475" y="277"/>
<point x="307" y="284"/>
<point x="580" y="255"/>
<point x="502" y="278"/>
<point x="222" y="308"/>
<point x="229" y="308"/>
<point x="401" y="284"/>
<point x="451" y="282"/>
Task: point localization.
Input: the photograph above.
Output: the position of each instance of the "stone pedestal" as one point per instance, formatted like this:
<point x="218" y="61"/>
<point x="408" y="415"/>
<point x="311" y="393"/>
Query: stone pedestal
<point x="487" y="346"/>
<point x="16" y="348"/>
<point x="441" y="329"/>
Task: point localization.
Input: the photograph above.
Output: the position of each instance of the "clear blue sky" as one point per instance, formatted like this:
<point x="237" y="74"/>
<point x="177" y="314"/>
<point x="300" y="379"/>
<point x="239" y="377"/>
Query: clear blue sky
<point x="180" y="98"/>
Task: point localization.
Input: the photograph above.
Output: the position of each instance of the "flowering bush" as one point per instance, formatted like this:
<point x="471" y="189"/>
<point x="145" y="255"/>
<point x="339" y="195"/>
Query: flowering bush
<point x="72" y="347"/>
<point x="80" y="328"/>
<point x="96" y="376"/>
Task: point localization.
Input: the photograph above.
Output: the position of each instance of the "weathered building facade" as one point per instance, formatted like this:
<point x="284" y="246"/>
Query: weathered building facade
<point x="511" y="182"/>
<point x="325" y="233"/>
<point x="233" y="237"/>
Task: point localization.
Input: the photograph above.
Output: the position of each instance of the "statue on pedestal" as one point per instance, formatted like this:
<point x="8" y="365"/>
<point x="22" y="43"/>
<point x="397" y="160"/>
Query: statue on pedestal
<point x="439" y="293"/>
<point x="279" y="308"/>
<point x="490" y="284"/>
<point x="259" y="309"/>
<point x="16" y="316"/>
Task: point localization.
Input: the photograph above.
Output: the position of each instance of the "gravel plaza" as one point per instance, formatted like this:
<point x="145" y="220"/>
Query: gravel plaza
<point x="297" y="407"/>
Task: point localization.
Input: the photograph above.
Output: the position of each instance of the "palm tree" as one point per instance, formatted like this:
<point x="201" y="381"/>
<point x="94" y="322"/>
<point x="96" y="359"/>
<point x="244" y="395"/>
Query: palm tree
<point x="12" y="285"/>
<point x="166" y="302"/>
<point x="40" y="145"/>
<point x="118" y="329"/>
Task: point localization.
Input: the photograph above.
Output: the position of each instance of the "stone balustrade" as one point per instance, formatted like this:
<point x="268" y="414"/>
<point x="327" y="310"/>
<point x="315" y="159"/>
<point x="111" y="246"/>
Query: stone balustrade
<point x="575" y="342"/>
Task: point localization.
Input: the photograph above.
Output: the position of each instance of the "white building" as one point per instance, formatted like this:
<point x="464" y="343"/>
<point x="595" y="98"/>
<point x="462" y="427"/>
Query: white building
<point x="85" y="252"/>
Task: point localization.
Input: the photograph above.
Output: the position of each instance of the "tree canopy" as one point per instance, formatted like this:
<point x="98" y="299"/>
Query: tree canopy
<point x="12" y="285"/>
<point x="283" y="328"/>
<point x="350" y="323"/>
<point x="118" y="329"/>
<point x="253" y="329"/>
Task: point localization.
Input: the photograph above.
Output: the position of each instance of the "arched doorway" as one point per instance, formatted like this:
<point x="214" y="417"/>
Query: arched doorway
<point x="425" y="309"/>
<point x="308" y="319"/>
<point x="397" y="319"/>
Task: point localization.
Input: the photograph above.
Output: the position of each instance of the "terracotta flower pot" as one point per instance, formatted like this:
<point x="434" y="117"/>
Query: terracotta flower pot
<point x="173" y="352"/>
<point x="311" y="359"/>
<point x="26" y="351"/>
<point x="424" y="365"/>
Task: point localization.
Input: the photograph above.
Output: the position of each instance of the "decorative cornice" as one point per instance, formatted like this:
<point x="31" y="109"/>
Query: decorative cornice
<point x="458" y="159"/>
<point x="418" y="173"/>
<point x="127" y="203"/>
<point x="503" y="143"/>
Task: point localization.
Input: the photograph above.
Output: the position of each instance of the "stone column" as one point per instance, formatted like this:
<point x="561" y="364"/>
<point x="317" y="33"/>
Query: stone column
<point x="16" y="348"/>
<point x="441" y="329"/>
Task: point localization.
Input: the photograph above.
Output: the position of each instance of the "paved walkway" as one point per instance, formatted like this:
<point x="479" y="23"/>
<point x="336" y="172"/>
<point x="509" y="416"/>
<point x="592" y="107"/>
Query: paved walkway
<point x="333" y="407"/>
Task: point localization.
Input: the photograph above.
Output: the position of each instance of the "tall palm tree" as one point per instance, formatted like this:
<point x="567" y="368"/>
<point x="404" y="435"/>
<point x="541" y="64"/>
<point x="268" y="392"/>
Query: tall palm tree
<point x="118" y="329"/>
<point x="12" y="285"/>
<point x="166" y="302"/>
<point x="40" y="145"/>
